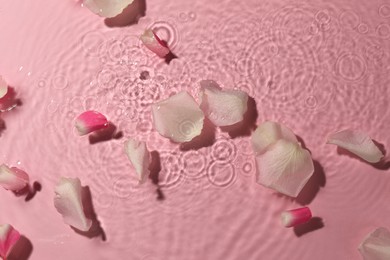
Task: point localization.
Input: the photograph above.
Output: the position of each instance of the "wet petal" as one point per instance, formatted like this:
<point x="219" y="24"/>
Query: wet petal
<point x="68" y="202"/>
<point x="107" y="8"/>
<point x="8" y="238"/>
<point x="376" y="246"/>
<point x="3" y="87"/>
<point x="90" y="121"/>
<point x="178" y="117"/>
<point x="268" y="133"/>
<point x="153" y="43"/>
<point x="285" y="167"/>
<point x="139" y="156"/>
<point x="223" y="107"/>
<point x="13" y="178"/>
<point x="358" y="143"/>
<point x="295" y="217"/>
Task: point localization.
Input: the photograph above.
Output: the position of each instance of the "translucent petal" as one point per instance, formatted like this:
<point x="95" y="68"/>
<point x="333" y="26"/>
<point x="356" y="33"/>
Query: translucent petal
<point x="139" y="156"/>
<point x="107" y="8"/>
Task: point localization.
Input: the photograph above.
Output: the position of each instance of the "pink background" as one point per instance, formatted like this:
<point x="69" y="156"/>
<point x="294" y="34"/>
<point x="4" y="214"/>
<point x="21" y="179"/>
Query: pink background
<point x="316" y="66"/>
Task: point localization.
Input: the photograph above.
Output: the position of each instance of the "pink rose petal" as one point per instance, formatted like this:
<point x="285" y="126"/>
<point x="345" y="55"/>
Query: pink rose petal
<point x="285" y="167"/>
<point x="224" y="107"/>
<point x="153" y="43"/>
<point x="3" y="87"/>
<point x="292" y="218"/>
<point x="139" y="156"/>
<point x="68" y="202"/>
<point x="107" y="8"/>
<point x="358" y="143"/>
<point x="13" y="178"/>
<point x="376" y="246"/>
<point x="268" y="133"/>
<point x="90" y="121"/>
<point x="8" y="238"/>
<point x="178" y="117"/>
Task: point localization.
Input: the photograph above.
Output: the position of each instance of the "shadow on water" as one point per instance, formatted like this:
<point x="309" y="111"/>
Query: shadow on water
<point x="383" y="164"/>
<point x="247" y="125"/>
<point x="22" y="249"/>
<point x="129" y="16"/>
<point x="106" y="134"/>
<point x="205" y="139"/>
<point x="313" y="224"/>
<point x="30" y="191"/>
<point x="2" y="126"/>
<point x="96" y="230"/>
<point x="155" y="168"/>
<point x="313" y="186"/>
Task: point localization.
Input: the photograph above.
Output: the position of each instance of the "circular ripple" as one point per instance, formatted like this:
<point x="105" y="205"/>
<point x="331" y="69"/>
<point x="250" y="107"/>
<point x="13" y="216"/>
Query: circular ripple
<point x="221" y="174"/>
<point x="349" y="19"/>
<point x="193" y="163"/>
<point x="323" y="17"/>
<point x="351" y="67"/>
<point x="107" y="79"/>
<point x="59" y="81"/>
<point x="171" y="174"/>
<point x="245" y="165"/>
<point x="166" y="32"/>
<point x="363" y="28"/>
<point x="384" y="11"/>
<point x="223" y="151"/>
<point x="383" y="30"/>
<point x="92" y="42"/>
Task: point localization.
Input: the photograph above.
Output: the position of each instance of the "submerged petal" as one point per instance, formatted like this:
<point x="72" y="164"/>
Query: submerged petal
<point x="107" y="8"/>
<point x="139" y="156"/>
<point x="376" y="246"/>
<point x="224" y="107"/>
<point x="358" y="143"/>
<point x="69" y="203"/>
<point x="285" y="167"/>
<point x="178" y="117"/>
<point x="13" y="178"/>
<point x="268" y="133"/>
<point x="8" y="238"/>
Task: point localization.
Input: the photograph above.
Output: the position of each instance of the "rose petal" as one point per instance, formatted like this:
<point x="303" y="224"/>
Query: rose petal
<point x="285" y="167"/>
<point x="358" y="143"/>
<point x="139" y="156"/>
<point x="8" y="238"/>
<point x="376" y="246"/>
<point x="107" y="8"/>
<point x="3" y="87"/>
<point x="178" y="117"/>
<point x="13" y="178"/>
<point x="223" y="107"/>
<point x="153" y="43"/>
<point x="68" y="202"/>
<point x="295" y="217"/>
<point x="268" y="133"/>
<point x="90" y="121"/>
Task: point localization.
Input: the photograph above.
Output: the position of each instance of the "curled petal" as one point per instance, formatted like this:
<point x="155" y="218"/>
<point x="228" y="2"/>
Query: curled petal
<point x="90" y="121"/>
<point x="13" y="178"/>
<point x="222" y="107"/>
<point x="178" y="117"/>
<point x="357" y="143"/>
<point x="154" y="43"/>
<point x="285" y="167"/>
<point x="68" y="202"/>
<point x="8" y="238"/>
<point x="291" y="218"/>
<point x="139" y="156"/>
<point x="268" y="133"/>
<point x="3" y="87"/>
<point x="376" y="246"/>
<point x="107" y="8"/>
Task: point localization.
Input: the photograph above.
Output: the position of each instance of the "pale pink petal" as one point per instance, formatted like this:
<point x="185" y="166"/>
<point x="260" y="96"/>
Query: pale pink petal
<point x="68" y="202"/>
<point x="90" y="121"/>
<point x="13" y="178"/>
<point x="3" y="87"/>
<point x="178" y="117"/>
<point x="8" y="238"/>
<point x="376" y="246"/>
<point x="139" y="156"/>
<point x="285" y="167"/>
<point x="358" y="143"/>
<point x="154" y="43"/>
<point x="224" y="107"/>
<point x="107" y="8"/>
<point x="291" y="218"/>
<point x="268" y="133"/>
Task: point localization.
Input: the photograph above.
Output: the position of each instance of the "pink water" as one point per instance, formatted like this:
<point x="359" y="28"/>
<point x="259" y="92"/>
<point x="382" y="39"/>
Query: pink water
<point x="316" y="66"/>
